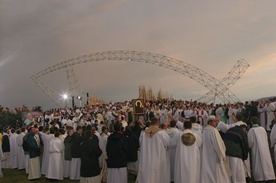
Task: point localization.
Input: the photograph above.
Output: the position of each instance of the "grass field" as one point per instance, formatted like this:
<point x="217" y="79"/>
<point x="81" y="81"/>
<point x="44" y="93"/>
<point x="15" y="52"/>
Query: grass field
<point x="19" y="176"/>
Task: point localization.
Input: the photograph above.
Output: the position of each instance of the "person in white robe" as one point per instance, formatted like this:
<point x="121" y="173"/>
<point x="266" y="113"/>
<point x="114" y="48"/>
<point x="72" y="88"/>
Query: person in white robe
<point x="236" y="142"/>
<point x="14" y="149"/>
<point x="154" y="163"/>
<point x="273" y="139"/>
<point x="187" y="157"/>
<point x="20" y="153"/>
<point x="270" y="114"/>
<point x="172" y="132"/>
<point x="55" y="168"/>
<point x="262" y="110"/>
<point x="196" y="128"/>
<point x="214" y="167"/>
<point x="102" y="143"/>
<point x="262" y="168"/>
<point x="45" y="159"/>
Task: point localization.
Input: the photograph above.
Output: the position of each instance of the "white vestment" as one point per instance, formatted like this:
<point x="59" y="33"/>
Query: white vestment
<point x="96" y="179"/>
<point x="102" y="144"/>
<point x="13" y="150"/>
<point x="262" y="167"/>
<point x="20" y="153"/>
<point x="172" y="132"/>
<point x="238" y="170"/>
<point x="263" y="114"/>
<point x="34" y="168"/>
<point x="270" y="115"/>
<point x="273" y="139"/>
<point x="154" y="163"/>
<point x="187" y="159"/>
<point x="197" y="128"/>
<point x="75" y="169"/>
<point x="117" y="175"/>
<point x="213" y="167"/>
<point x="45" y="158"/>
<point x="55" y="168"/>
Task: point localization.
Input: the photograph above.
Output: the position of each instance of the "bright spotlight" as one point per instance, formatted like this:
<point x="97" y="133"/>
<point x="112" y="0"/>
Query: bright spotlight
<point x="79" y="97"/>
<point x="65" y="96"/>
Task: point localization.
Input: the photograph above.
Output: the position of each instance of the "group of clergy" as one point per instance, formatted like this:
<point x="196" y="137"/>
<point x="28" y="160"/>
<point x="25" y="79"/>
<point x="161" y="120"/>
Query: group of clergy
<point x="215" y="153"/>
<point x="189" y="149"/>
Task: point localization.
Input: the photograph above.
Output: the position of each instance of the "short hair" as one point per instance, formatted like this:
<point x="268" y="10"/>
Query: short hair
<point x="104" y="128"/>
<point x="78" y="128"/>
<point x="23" y="129"/>
<point x="187" y="125"/>
<point x="56" y="134"/>
<point x="254" y="120"/>
<point x="117" y="127"/>
<point x="52" y="130"/>
<point x="193" y="119"/>
<point x="40" y="128"/>
<point x="172" y="123"/>
<point x="239" y="116"/>
<point x="154" y="121"/>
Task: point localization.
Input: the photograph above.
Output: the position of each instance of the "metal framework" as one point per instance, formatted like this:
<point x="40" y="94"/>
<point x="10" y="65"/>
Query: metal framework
<point x="218" y="89"/>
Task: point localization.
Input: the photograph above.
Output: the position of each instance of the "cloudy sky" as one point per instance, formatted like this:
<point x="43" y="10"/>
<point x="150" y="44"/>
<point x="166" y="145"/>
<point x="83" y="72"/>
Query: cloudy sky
<point x="211" y="35"/>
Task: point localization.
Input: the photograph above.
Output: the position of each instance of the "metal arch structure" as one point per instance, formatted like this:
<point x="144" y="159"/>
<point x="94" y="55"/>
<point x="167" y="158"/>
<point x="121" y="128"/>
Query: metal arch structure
<point x="218" y="89"/>
<point x="223" y="87"/>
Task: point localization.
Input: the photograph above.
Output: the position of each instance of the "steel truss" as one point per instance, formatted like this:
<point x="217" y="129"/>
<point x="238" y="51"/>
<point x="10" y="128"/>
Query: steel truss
<point x="218" y="89"/>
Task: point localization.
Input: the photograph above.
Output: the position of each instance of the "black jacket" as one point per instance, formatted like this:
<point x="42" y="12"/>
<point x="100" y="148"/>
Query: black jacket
<point x="33" y="147"/>
<point x="236" y="143"/>
<point x="5" y="144"/>
<point x="116" y="150"/>
<point x="76" y="140"/>
<point x="89" y="154"/>
<point x="132" y="146"/>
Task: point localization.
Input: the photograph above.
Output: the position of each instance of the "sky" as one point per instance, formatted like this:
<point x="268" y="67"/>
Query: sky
<point x="211" y="35"/>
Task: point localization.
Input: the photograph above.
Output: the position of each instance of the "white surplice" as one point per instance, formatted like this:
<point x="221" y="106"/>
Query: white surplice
<point x="273" y="139"/>
<point x="45" y="158"/>
<point x="262" y="168"/>
<point x="213" y="168"/>
<point x="20" y="153"/>
<point x="55" y="168"/>
<point x="270" y="114"/>
<point x="187" y="159"/>
<point x="172" y="132"/>
<point x="13" y="150"/>
<point x="154" y="163"/>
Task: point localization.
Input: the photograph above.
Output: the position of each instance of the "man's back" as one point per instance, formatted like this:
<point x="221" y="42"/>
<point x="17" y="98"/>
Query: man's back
<point x="154" y="163"/>
<point x="261" y="159"/>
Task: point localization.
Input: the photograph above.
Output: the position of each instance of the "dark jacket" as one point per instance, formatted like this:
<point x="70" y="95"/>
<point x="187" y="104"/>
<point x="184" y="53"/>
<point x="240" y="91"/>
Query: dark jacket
<point x="34" y="150"/>
<point x="76" y="140"/>
<point x="236" y="143"/>
<point x="5" y="143"/>
<point x="67" y="148"/>
<point x="116" y="150"/>
<point x="89" y="154"/>
<point x="132" y="146"/>
<point x="137" y="130"/>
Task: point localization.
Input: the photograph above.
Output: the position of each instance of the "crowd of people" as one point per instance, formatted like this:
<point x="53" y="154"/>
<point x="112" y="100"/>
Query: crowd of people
<point x="174" y="141"/>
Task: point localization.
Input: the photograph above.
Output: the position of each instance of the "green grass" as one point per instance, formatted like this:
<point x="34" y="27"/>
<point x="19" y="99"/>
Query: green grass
<point x="19" y="176"/>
